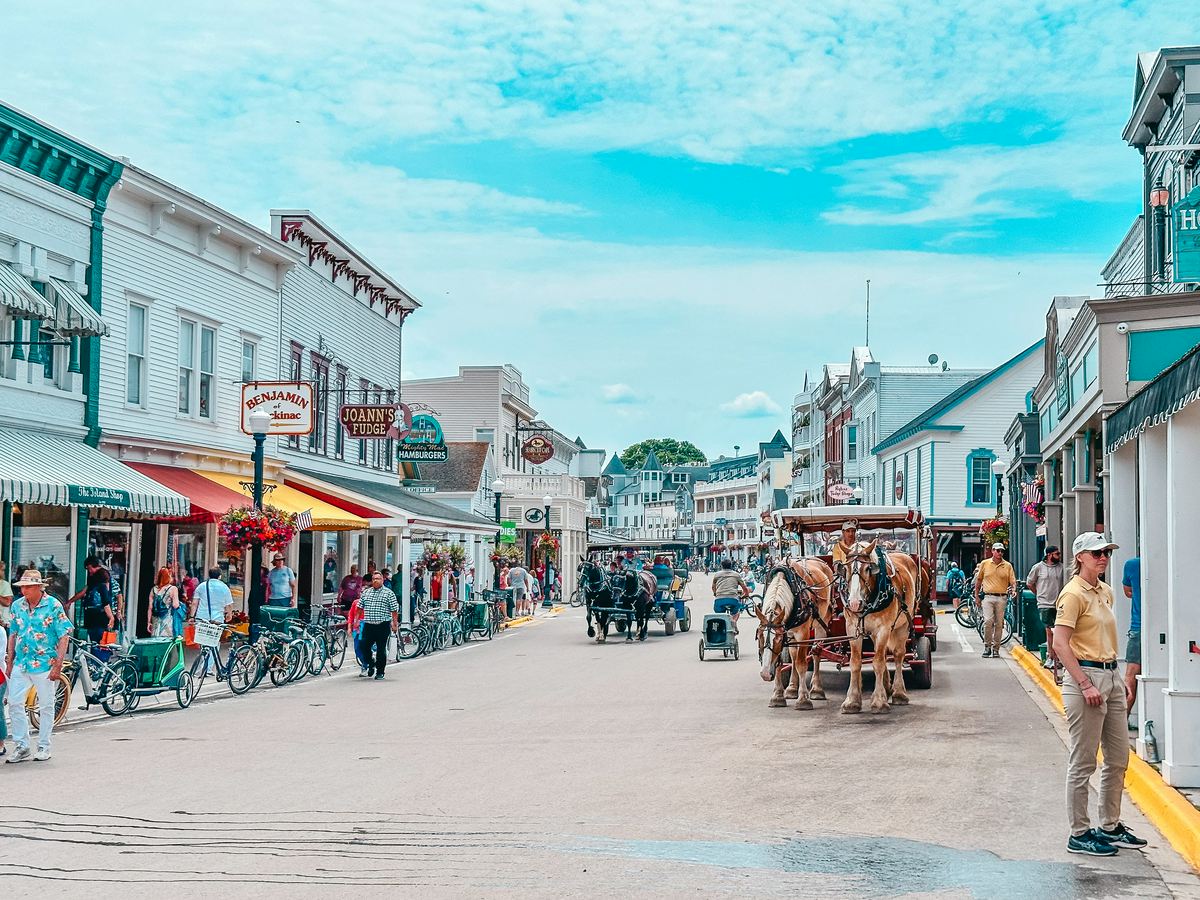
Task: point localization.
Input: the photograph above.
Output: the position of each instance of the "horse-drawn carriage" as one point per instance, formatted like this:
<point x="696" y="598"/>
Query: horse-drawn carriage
<point x="872" y="604"/>
<point x="650" y="583"/>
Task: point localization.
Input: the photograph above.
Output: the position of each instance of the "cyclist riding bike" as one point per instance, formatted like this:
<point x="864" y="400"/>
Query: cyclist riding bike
<point x="729" y="591"/>
<point x="956" y="581"/>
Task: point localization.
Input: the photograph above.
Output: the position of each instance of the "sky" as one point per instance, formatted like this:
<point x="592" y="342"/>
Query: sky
<point x="664" y="214"/>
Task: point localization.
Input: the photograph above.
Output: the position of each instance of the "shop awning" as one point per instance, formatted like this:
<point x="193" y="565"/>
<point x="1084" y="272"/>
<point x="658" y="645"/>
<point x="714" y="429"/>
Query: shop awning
<point x="325" y="516"/>
<point x="73" y="314"/>
<point x="420" y="510"/>
<point x="1166" y="395"/>
<point x="209" y="500"/>
<point x="60" y="471"/>
<point x="18" y="295"/>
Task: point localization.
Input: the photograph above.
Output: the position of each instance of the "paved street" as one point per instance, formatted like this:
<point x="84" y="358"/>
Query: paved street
<point x="542" y="764"/>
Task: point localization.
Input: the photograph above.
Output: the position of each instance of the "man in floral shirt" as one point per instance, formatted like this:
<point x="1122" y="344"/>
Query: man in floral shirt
<point x="37" y="644"/>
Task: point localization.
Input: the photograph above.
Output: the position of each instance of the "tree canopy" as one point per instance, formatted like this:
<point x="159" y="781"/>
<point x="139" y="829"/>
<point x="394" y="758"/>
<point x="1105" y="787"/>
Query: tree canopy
<point x="670" y="452"/>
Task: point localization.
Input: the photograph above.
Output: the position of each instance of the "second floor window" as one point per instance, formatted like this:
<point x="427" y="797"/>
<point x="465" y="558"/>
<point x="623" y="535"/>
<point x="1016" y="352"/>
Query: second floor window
<point x="318" y="437"/>
<point x="851" y="443"/>
<point x="249" y="357"/>
<point x="135" y="355"/>
<point x="197" y="372"/>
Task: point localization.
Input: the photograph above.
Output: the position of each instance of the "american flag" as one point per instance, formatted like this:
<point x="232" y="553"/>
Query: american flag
<point x="304" y="520"/>
<point x="1031" y="492"/>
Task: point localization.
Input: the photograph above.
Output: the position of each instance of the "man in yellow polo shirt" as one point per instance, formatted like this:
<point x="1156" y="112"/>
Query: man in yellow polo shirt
<point x="995" y="580"/>
<point x="842" y="548"/>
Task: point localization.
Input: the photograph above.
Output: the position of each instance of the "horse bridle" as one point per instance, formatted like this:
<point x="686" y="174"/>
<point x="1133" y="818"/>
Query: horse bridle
<point x="885" y="589"/>
<point x="803" y="609"/>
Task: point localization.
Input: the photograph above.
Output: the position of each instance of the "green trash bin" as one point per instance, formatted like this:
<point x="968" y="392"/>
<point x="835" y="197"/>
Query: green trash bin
<point x="477" y="616"/>
<point x="1034" y="632"/>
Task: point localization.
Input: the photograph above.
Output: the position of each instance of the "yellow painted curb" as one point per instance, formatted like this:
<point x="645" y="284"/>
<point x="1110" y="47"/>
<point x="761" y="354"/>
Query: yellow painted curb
<point x="1169" y="810"/>
<point x="518" y="622"/>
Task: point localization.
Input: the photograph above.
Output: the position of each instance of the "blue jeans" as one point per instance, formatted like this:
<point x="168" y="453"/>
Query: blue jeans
<point x="731" y="605"/>
<point x="3" y="720"/>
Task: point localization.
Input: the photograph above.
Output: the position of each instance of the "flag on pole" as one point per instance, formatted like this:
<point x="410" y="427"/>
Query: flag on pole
<point x="304" y="520"/>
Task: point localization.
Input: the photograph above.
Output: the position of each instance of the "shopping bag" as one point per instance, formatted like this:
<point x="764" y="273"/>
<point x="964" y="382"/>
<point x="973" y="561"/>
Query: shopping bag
<point x="189" y="634"/>
<point x="108" y="639"/>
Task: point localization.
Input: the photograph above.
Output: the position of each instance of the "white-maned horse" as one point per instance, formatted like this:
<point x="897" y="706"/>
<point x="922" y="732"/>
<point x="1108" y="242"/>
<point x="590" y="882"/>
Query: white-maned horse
<point x="795" y="610"/>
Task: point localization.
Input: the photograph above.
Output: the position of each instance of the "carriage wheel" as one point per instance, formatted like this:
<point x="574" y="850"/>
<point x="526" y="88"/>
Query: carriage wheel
<point x="669" y="621"/>
<point x="701" y="649"/>
<point x="685" y="624"/>
<point x="735" y="649"/>
<point x="922" y="665"/>
<point x="620" y="624"/>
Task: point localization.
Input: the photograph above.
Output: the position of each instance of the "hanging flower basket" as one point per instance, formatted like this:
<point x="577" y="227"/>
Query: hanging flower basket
<point x="546" y="543"/>
<point x="1036" y="507"/>
<point x="994" y="531"/>
<point x="507" y="553"/>
<point x="244" y="527"/>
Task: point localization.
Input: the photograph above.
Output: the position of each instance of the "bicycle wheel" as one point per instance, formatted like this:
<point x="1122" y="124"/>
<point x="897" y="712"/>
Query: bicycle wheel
<point x="297" y="662"/>
<point x="457" y="634"/>
<point x="318" y="653"/>
<point x="118" y="689"/>
<point x="337" y="650"/>
<point x="442" y="636"/>
<point x="243" y="671"/>
<point x="62" y="701"/>
<point x="1006" y="632"/>
<point x="964" y="615"/>
<point x="408" y="643"/>
<point x="576" y="597"/>
<point x="279" y="661"/>
<point x="185" y="689"/>
<point x="305" y="651"/>
<point x="200" y="668"/>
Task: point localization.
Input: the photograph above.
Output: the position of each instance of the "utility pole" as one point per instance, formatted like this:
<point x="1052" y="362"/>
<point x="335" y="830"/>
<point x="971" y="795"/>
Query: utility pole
<point x="868" y="341"/>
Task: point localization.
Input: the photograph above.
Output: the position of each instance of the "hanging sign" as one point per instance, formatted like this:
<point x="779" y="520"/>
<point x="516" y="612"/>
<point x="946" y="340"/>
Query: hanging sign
<point x="1185" y="251"/>
<point x="367" y="421"/>
<point x="538" y="449"/>
<point x="508" y="532"/>
<point x="290" y="404"/>
<point x="85" y="495"/>
<point x="424" y="441"/>
<point x="840" y="493"/>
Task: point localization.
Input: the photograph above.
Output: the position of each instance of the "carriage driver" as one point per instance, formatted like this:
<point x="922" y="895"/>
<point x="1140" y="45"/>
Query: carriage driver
<point x="729" y="591"/>
<point x="842" y="548"/>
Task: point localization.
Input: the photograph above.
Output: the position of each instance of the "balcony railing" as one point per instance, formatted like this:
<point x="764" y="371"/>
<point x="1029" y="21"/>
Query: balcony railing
<point x="560" y="487"/>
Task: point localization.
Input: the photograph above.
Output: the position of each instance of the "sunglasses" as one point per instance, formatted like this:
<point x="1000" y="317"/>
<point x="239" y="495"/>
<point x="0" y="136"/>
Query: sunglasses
<point x="1096" y="554"/>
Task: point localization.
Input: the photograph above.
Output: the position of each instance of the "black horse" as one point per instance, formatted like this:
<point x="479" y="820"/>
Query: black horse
<point x="625" y="596"/>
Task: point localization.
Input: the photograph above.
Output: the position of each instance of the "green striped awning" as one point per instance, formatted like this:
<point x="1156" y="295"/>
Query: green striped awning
<point x="73" y="314"/>
<point x="60" y="471"/>
<point x="18" y="295"/>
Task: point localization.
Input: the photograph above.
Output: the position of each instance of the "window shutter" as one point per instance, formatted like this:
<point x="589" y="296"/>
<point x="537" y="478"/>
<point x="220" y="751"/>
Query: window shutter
<point x="513" y="513"/>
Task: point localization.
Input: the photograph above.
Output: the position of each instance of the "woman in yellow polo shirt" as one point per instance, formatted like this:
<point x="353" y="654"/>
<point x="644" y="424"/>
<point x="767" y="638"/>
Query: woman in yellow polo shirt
<point x="1094" y="697"/>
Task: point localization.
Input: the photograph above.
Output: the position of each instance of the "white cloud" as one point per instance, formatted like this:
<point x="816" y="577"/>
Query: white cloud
<point x="619" y="394"/>
<point x="752" y="405"/>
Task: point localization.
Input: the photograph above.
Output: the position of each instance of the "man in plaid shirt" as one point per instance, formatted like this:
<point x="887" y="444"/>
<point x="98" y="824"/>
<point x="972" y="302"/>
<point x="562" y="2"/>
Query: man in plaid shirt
<point x="381" y="617"/>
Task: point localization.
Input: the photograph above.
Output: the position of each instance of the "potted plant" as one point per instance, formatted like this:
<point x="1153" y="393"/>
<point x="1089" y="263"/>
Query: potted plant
<point x="994" y="531"/>
<point x="244" y="526"/>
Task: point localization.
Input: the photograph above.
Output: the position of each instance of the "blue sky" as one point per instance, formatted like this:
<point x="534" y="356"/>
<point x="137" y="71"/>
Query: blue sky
<point x="662" y="215"/>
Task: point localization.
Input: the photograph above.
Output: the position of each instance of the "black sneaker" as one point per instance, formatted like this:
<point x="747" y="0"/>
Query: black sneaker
<point x="1120" y="837"/>
<point x="1091" y="844"/>
<point x="370" y="671"/>
<point x="987" y="651"/>
<point x="379" y="677"/>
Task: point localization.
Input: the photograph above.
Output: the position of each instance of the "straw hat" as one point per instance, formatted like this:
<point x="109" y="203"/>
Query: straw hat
<point x="30" y="578"/>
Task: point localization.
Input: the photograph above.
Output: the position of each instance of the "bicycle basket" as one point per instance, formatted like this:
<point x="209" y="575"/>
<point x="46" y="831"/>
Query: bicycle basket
<point x="208" y="634"/>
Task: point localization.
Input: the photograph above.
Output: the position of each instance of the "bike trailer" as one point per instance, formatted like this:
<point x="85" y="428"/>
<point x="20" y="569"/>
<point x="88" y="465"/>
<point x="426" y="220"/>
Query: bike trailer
<point x="159" y="661"/>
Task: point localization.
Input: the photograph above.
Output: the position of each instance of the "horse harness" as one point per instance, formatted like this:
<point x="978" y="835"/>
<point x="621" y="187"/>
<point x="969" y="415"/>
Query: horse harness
<point x="885" y="589"/>
<point x="804" y="608"/>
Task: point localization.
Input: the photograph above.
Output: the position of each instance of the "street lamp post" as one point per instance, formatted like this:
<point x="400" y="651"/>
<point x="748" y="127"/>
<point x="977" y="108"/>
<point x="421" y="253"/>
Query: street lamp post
<point x="857" y="497"/>
<point x="999" y="467"/>
<point x="498" y="490"/>
<point x="546" y="601"/>
<point x="260" y="424"/>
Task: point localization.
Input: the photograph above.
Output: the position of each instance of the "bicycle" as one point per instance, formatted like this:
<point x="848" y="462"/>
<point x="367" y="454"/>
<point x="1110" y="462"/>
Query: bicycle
<point x="111" y="683"/>
<point x="239" y="670"/>
<point x="1007" y="625"/>
<point x="332" y="628"/>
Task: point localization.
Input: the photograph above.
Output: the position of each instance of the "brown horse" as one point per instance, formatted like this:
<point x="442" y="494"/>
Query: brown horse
<point x="880" y="602"/>
<point x="794" y="611"/>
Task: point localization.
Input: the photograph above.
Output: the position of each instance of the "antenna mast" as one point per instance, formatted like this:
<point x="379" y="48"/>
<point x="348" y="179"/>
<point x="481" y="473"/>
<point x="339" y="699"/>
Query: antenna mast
<point x="868" y="341"/>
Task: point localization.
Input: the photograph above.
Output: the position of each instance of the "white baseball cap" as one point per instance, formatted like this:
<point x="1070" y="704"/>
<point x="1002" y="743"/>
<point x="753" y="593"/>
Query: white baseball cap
<point x="1091" y="540"/>
<point x="997" y="546"/>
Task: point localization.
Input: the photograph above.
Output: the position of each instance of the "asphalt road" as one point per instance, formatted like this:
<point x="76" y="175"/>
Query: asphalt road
<point x="542" y="764"/>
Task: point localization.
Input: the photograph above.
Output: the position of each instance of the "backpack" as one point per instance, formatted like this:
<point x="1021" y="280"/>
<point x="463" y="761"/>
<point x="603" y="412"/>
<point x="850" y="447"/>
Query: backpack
<point x="160" y="607"/>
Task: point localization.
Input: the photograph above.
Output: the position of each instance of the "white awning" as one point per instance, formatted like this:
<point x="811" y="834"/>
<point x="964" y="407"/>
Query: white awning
<point x="73" y="314"/>
<point x="60" y="471"/>
<point x="18" y="294"/>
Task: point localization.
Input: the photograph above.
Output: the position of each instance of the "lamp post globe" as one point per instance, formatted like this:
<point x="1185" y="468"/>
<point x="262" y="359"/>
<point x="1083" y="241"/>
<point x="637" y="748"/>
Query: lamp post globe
<point x="999" y="467"/>
<point x="858" y="495"/>
<point x="546" y="601"/>
<point x="260" y="423"/>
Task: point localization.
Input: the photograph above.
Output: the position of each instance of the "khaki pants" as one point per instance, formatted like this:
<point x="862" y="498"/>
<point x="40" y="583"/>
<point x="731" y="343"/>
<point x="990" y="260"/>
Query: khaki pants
<point x="993" y="620"/>
<point x="1091" y="728"/>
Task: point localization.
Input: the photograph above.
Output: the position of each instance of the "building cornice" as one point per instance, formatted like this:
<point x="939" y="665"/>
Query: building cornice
<point x="55" y="158"/>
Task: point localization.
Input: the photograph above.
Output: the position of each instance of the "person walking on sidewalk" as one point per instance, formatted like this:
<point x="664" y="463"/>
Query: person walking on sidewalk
<point x="281" y="583"/>
<point x="996" y="580"/>
<point x="349" y="589"/>
<point x="1131" y="580"/>
<point x="37" y="645"/>
<point x="1094" y="699"/>
<point x="381" y="618"/>
<point x="1045" y="579"/>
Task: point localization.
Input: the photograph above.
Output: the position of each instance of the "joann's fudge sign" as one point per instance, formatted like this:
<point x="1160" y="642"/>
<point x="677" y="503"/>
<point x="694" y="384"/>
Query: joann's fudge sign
<point x="363" y="421"/>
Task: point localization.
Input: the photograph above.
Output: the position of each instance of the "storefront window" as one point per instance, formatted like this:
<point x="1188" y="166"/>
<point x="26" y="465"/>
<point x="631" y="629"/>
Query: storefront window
<point x="42" y="540"/>
<point x="185" y="554"/>
<point x="111" y="544"/>
<point x="232" y="564"/>
<point x="329" y="567"/>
